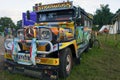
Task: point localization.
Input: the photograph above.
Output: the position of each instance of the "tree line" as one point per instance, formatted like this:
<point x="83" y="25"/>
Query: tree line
<point x="6" y="22"/>
<point x="102" y="16"/>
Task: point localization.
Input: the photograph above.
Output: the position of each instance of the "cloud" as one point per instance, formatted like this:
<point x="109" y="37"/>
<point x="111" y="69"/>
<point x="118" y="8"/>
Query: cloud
<point x="15" y="15"/>
<point x="14" y="8"/>
<point x="88" y="5"/>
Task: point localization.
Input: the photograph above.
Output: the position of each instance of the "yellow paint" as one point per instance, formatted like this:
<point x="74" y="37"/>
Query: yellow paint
<point x="25" y="47"/>
<point x="66" y="44"/>
<point x="68" y="25"/>
<point x="54" y="6"/>
<point x="35" y="32"/>
<point x="47" y="61"/>
<point x="69" y="35"/>
<point x="41" y="48"/>
<point x="43" y="24"/>
<point x="7" y="56"/>
<point x="75" y="45"/>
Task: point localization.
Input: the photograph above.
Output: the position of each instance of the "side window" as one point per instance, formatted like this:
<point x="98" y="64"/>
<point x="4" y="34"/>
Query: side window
<point x="82" y="20"/>
<point x="85" y="23"/>
<point x="78" y="22"/>
<point x="42" y="17"/>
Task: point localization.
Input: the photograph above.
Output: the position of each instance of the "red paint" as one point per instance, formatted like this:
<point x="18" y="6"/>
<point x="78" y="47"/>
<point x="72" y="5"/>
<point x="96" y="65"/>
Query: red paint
<point x="30" y="51"/>
<point x="12" y="48"/>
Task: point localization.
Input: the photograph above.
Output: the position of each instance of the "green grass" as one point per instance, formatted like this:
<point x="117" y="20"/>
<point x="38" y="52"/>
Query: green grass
<point x="97" y="64"/>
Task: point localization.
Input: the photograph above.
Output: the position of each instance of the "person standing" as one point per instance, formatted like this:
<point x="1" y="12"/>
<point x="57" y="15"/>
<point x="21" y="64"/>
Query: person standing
<point x="9" y="33"/>
<point x="13" y="31"/>
<point x="6" y="31"/>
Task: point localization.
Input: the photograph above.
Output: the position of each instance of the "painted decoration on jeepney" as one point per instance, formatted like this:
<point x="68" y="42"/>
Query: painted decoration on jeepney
<point x="33" y="51"/>
<point x="32" y="21"/>
<point x="52" y="6"/>
<point x="15" y="49"/>
<point x="79" y="34"/>
<point x="87" y="35"/>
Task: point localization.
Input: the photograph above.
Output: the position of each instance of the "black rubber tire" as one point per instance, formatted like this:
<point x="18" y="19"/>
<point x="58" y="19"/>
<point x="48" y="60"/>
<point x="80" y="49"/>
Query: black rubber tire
<point x="96" y="44"/>
<point x="91" y="43"/>
<point x="64" y="54"/>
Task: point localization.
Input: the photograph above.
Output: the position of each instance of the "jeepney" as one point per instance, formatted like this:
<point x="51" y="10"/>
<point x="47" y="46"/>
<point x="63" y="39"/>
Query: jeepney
<point x="51" y="40"/>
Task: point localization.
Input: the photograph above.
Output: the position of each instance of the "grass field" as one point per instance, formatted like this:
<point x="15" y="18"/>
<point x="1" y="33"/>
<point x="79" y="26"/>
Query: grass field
<point x="97" y="64"/>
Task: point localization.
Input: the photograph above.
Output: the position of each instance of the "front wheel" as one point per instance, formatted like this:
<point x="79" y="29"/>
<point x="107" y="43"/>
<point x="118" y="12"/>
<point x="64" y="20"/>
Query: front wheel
<point x="65" y="62"/>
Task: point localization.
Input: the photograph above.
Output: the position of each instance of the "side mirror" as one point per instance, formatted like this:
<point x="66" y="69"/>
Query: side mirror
<point x="28" y="15"/>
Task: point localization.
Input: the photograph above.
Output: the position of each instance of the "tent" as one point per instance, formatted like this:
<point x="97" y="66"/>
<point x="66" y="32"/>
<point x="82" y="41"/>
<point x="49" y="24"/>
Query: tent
<point x="112" y="28"/>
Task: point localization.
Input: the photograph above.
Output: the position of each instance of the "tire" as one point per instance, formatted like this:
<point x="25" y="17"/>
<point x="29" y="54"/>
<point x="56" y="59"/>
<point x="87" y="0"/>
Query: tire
<point x="96" y="44"/>
<point x="91" y="43"/>
<point x="65" y="63"/>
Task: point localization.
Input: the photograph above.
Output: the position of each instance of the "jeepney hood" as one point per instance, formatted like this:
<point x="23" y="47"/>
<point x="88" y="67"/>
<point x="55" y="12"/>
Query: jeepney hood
<point x="62" y="29"/>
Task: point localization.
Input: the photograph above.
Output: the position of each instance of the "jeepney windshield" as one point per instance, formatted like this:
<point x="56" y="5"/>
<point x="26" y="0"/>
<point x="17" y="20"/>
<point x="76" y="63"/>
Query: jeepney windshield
<point x="62" y="15"/>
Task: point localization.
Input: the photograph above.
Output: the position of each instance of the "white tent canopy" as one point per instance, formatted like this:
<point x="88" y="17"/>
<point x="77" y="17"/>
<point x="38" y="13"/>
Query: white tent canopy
<point x="112" y="28"/>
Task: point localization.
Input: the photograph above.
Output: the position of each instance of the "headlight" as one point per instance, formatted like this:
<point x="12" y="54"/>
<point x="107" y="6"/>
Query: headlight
<point x="46" y="34"/>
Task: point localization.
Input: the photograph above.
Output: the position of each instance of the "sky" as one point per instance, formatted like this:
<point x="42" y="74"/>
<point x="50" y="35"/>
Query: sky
<point x="14" y="8"/>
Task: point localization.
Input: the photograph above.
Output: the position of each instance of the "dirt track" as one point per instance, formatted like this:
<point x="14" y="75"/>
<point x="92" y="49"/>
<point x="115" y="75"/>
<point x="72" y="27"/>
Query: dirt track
<point x="1" y="62"/>
<point x="1" y="52"/>
<point x="1" y="45"/>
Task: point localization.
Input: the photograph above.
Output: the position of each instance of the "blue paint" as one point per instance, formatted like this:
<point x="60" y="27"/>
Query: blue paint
<point x="32" y="21"/>
<point x="34" y="50"/>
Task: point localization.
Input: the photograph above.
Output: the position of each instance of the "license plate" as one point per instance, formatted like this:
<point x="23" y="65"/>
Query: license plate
<point x="23" y="57"/>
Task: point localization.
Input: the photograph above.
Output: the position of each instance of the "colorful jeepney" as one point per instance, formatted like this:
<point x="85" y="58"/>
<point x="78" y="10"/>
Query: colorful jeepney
<point x="51" y="40"/>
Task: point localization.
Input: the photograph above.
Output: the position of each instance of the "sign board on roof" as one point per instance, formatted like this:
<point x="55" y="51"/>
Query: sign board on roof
<point x="53" y="6"/>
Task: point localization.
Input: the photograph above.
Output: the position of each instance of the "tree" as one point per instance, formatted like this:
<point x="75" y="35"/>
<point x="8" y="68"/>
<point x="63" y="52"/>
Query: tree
<point x="118" y="11"/>
<point x="6" y="22"/>
<point x="19" y="24"/>
<point x="102" y="16"/>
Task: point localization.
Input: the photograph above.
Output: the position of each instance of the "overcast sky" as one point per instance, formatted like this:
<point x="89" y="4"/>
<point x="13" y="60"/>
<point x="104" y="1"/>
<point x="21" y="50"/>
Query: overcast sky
<point x="14" y="8"/>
